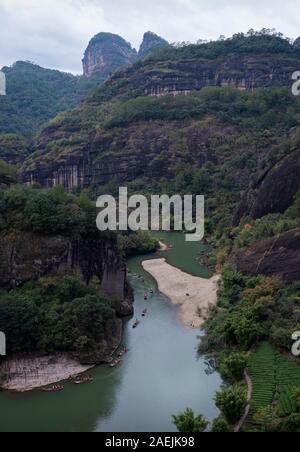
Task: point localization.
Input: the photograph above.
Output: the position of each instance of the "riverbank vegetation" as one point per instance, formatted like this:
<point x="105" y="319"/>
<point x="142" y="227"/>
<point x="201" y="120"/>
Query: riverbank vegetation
<point x="55" y="314"/>
<point x="253" y="311"/>
<point x="251" y="330"/>
<point x="187" y="422"/>
<point x="134" y="244"/>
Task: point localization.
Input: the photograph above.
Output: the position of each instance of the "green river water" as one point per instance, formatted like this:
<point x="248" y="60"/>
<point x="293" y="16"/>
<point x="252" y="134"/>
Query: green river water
<point x="161" y="375"/>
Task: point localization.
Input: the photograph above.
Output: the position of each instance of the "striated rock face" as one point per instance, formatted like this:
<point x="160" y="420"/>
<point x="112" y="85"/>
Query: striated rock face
<point x="278" y="256"/>
<point x="29" y="256"/>
<point x="106" y="53"/>
<point x="27" y="373"/>
<point x="120" y="153"/>
<point x="151" y="41"/>
<point x="245" y="72"/>
<point x="274" y="192"/>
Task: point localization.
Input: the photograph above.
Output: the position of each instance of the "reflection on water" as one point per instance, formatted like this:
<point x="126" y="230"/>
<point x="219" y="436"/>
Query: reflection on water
<point x="160" y="376"/>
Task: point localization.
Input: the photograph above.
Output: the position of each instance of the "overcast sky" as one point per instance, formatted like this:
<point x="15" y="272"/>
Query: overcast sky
<point x="55" y="33"/>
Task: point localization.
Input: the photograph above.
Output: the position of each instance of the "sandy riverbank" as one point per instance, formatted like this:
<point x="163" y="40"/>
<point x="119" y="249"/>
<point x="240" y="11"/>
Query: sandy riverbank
<point x="192" y="294"/>
<point x="26" y="374"/>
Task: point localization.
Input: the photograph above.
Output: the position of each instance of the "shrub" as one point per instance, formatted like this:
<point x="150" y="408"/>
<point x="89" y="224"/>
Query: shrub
<point x="187" y="422"/>
<point x="232" y="403"/>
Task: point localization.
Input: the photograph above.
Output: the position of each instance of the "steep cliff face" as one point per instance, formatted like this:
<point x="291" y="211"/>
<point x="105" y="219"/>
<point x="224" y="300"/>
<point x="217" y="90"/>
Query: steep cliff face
<point x="28" y="256"/>
<point x="246" y="72"/>
<point x="275" y="190"/>
<point x="279" y="256"/>
<point x="151" y="41"/>
<point x="106" y="53"/>
<point x="140" y="150"/>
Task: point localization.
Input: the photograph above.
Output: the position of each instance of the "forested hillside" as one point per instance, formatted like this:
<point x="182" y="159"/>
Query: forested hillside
<point x="35" y="95"/>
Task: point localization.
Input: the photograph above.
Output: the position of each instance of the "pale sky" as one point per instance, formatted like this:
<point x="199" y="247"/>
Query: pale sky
<point x="55" y="33"/>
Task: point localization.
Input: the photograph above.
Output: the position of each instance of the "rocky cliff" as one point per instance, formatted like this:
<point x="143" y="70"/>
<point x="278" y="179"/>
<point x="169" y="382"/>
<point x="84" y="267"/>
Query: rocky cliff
<point x="120" y="153"/>
<point x="106" y="53"/>
<point x="279" y="256"/>
<point x="245" y="72"/>
<point x="29" y="256"/>
<point x="274" y="191"/>
<point x="151" y="41"/>
<point x="108" y="135"/>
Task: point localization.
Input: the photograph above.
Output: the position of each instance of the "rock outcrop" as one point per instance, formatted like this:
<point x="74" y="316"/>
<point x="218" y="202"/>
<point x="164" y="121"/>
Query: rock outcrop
<point x="26" y="373"/>
<point x="151" y="41"/>
<point x="29" y="256"/>
<point x="106" y="53"/>
<point x="245" y="72"/>
<point x="279" y="256"/>
<point x="274" y="191"/>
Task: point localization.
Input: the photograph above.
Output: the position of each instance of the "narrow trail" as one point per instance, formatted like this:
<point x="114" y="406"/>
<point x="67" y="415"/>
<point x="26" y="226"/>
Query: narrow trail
<point x="248" y="407"/>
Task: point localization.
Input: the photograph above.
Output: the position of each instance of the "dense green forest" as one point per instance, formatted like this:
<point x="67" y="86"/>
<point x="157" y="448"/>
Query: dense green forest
<point x="55" y="314"/>
<point x="263" y="41"/>
<point x="262" y="109"/>
<point x="35" y="95"/>
<point x="46" y="212"/>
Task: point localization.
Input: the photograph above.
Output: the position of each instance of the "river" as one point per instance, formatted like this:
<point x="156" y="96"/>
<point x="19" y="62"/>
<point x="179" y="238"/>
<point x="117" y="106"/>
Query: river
<point x="161" y="375"/>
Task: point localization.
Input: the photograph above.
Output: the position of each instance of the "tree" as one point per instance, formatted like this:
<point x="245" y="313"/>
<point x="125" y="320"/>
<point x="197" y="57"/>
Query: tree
<point x="231" y="403"/>
<point x="220" y="425"/>
<point x="296" y="400"/>
<point x="187" y="422"/>
<point x="233" y="366"/>
<point x="291" y="425"/>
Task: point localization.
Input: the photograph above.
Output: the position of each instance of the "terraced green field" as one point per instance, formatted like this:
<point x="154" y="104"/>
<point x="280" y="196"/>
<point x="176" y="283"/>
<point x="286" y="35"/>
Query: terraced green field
<point x="275" y="378"/>
<point x="262" y="369"/>
<point x="287" y="379"/>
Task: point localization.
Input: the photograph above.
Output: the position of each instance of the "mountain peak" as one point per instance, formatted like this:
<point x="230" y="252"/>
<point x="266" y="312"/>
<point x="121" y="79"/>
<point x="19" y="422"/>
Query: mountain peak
<point x="106" y="53"/>
<point x="297" y="42"/>
<point x="151" y="41"/>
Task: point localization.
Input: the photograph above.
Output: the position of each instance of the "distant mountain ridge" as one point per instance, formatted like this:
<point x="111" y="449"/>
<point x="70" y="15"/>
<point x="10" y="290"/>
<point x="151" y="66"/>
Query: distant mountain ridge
<point x="35" y="95"/>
